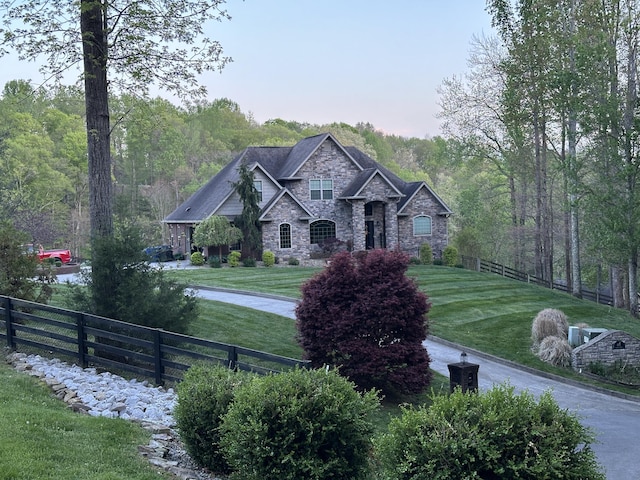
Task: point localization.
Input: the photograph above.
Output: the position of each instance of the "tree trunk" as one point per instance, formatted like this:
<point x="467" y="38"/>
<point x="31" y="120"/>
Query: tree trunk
<point x="94" y="48"/>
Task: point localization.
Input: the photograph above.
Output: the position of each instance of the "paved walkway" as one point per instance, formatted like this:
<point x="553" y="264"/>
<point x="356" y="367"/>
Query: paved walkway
<point x="615" y="420"/>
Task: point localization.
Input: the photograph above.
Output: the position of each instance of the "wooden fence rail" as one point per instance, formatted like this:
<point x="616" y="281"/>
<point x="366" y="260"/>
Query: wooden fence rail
<point x="473" y="263"/>
<point x="148" y="352"/>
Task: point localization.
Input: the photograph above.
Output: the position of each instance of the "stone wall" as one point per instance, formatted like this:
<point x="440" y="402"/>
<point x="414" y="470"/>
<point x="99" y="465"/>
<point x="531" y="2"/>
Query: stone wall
<point x="607" y="349"/>
<point x="423" y="204"/>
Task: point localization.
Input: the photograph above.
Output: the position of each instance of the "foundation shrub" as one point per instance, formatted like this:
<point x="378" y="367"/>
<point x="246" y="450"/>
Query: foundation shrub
<point x="204" y="396"/>
<point x="309" y="424"/>
<point x="234" y="258"/>
<point x="497" y="435"/>
<point x="450" y="256"/>
<point x="268" y="258"/>
<point x="426" y="254"/>
<point x="197" y="259"/>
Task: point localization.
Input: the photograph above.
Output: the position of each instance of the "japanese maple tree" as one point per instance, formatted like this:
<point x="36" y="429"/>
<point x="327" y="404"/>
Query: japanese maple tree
<point x="365" y="316"/>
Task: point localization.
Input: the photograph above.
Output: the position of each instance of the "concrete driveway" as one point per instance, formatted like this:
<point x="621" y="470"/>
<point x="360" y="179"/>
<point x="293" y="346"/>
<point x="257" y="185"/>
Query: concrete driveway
<point x="615" y="420"/>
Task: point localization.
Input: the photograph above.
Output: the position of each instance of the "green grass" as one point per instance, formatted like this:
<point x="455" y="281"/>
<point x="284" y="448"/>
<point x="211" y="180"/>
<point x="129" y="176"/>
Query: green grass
<point x="478" y="310"/>
<point x="41" y="438"/>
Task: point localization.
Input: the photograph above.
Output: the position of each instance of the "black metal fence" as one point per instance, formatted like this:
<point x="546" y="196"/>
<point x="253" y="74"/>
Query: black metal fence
<point x="111" y="344"/>
<point x="473" y="263"/>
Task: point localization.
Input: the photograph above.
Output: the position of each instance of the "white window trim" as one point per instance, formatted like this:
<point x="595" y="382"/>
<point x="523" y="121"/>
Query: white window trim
<point x="413" y="224"/>
<point x="280" y="236"/>
<point x="322" y="190"/>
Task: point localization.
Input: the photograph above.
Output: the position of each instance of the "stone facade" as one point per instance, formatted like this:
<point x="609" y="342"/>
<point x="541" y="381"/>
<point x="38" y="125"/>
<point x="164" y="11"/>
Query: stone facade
<point x="369" y="206"/>
<point x="607" y="349"/>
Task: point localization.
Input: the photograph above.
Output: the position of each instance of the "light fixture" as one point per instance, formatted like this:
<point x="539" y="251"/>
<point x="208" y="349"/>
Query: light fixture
<point x="463" y="357"/>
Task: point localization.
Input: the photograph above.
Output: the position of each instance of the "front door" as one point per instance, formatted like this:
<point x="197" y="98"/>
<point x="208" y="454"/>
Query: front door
<point x="370" y="237"/>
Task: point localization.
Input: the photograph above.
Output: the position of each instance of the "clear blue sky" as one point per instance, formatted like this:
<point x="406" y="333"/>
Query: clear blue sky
<point x="338" y="60"/>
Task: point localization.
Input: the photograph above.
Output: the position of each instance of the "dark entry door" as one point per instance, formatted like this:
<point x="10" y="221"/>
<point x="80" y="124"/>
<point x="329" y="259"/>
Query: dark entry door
<point x="370" y="238"/>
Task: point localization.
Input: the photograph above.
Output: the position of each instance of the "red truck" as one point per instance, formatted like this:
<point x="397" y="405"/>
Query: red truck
<point x="58" y="255"/>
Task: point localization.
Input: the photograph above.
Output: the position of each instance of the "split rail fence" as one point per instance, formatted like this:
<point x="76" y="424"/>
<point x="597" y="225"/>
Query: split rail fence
<point x="90" y="340"/>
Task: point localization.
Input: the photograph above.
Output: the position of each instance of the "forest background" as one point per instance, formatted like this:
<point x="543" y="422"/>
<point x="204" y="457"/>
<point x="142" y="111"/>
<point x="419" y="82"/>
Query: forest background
<point x="538" y="157"/>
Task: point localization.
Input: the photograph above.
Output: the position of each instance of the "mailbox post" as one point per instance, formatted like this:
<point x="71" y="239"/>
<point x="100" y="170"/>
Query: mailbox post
<point x="464" y="375"/>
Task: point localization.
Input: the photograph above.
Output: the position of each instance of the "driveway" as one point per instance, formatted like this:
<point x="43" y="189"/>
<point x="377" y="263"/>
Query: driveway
<point x="614" y="420"/>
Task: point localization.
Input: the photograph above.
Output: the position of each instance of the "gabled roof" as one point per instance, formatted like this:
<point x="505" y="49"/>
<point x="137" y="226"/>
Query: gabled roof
<point x="362" y="179"/>
<point x="283" y="163"/>
<point x="412" y="189"/>
<point x="276" y="198"/>
<point x="301" y="152"/>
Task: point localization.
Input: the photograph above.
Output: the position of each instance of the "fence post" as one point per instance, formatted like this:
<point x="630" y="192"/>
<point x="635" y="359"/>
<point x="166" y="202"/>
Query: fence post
<point x="157" y="356"/>
<point x="82" y="337"/>
<point x="7" y="321"/>
<point x="232" y="357"/>
<point x="477" y="264"/>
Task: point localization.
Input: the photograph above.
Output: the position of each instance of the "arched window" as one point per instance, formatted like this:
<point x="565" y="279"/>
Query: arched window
<point x="285" y="235"/>
<point x="322" y="229"/>
<point x="421" y="225"/>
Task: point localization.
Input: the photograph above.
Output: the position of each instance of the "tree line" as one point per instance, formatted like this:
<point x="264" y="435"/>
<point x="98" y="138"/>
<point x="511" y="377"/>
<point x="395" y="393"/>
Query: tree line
<point x="538" y="157"/>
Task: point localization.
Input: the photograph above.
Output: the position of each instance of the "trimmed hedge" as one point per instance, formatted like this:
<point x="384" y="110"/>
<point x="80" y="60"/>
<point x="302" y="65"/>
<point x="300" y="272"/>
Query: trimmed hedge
<point x="309" y="424"/>
<point x="495" y="435"/>
<point x="204" y="396"/>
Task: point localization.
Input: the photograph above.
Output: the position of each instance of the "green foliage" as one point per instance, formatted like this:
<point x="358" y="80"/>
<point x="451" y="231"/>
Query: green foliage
<point x="496" y="434"/>
<point x="204" y="396"/>
<point x="197" y="259"/>
<point x="308" y="424"/>
<point x="21" y="276"/>
<point x="216" y="231"/>
<point x="247" y="221"/>
<point x="214" y="261"/>
<point x="293" y="261"/>
<point x="249" y="262"/>
<point x="373" y="334"/>
<point x="450" y="256"/>
<point x="234" y="258"/>
<point x="426" y="254"/>
<point x="141" y="294"/>
<point x="268" y="258"/>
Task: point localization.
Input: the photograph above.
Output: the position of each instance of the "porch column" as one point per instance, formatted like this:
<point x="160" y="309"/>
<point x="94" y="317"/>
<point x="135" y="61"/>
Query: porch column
<point x="357" y="224"/>
<point x="391" y="224"/>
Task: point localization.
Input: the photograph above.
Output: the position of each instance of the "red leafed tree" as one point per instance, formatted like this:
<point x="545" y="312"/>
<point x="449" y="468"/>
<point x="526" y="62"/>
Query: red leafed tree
<point x="364" y="315"/>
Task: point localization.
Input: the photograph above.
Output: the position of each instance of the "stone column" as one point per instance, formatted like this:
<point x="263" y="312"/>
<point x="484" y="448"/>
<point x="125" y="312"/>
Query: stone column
<point x="391" y="223"/>
<point x="357" y="224"/>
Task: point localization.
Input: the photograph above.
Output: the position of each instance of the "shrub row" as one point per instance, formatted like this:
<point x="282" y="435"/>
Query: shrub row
<point x="313" y="424"/>
<point x="299" y="424"/>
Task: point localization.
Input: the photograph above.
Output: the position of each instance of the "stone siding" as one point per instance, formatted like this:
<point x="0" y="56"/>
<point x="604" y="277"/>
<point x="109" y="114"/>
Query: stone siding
<point x="423" y="204"/>
<point x="607" y="349"/>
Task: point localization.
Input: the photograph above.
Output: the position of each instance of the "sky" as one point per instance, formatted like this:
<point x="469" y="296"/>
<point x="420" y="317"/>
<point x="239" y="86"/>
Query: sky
<point x="372" y="61"/>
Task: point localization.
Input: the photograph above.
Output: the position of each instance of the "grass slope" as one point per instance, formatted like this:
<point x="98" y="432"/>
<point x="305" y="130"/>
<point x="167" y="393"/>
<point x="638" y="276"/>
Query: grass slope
<point x="478" y="310"/>
<point x="41" y="438"/>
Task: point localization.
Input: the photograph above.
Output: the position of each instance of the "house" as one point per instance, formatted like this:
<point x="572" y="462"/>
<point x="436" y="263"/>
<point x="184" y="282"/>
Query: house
<point x="320" y="189"/>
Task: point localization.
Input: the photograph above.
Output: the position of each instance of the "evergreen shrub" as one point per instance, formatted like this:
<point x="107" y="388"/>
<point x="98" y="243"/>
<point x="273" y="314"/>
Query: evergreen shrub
<point x="293" y="261"/>
<point x="197" y="259"/>
<point x="268" y="258"/>
<point x="234" y="258"/>
<point x="309" y="424"/>
<point x="450" y="256"/>
<point x="204" y="396"/>
<point x="496" y="435"/>
<point x="426" y="254"/>
<point x="214" y="261"/>
<point x="249" y="262"/>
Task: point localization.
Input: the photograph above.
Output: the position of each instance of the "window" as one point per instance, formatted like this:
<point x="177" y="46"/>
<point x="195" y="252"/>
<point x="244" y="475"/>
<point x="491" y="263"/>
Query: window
<point x="258" y="186"/>
<point x="321" y="189"/>
<point x="421" y="225"/>
<point x="320" y="230"/>
<point x="285" y="235"/>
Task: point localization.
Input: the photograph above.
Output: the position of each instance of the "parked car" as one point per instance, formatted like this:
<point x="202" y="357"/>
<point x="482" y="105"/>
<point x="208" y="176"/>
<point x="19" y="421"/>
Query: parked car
<point x="159" y="253"/>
